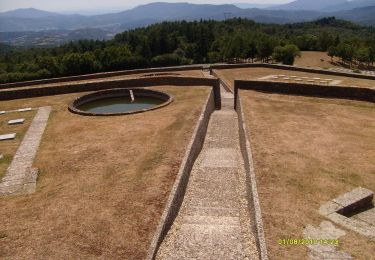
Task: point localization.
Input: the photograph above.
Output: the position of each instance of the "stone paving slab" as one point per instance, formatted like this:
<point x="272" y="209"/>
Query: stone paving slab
<point x="219" y="157"/>
<point x="194" y="210"/>
<point x="367" y="216"/>
<point x="354" y="199"/>
<point x="196" y="241"/>
<point x="7" y="137"/>
<point x="24" y="109"/>
<point x="16" y="121"/>
<point x="341" y="209"/>
<point x="326" y="230"/>
<point x="20" y="176"/>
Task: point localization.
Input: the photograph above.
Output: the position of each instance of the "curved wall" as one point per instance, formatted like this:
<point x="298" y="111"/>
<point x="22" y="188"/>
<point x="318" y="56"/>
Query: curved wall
<point x="74" y="106"/>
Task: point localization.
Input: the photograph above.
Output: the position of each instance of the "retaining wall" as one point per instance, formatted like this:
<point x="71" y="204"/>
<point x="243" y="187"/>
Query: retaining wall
<point x="178" y="191"/>
<point x="342" y="92"/>
<point x="98" y="75"/>
<point x="251" y="186"/>
<point x="292" y="68"/>
<point x="124" y="83"/>
<point x="181" y="68"/>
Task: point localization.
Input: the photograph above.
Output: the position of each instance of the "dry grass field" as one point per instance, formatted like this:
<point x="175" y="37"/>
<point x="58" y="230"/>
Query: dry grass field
<point x="103" y="181"/>
<point x="315" y="59"/>
<point x="308" y="151"/>
<point x="229" y="75"/>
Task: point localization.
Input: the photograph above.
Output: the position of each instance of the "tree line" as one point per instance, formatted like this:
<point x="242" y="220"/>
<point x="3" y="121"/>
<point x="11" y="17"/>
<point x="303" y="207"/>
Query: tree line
<point x="179" y="43"/>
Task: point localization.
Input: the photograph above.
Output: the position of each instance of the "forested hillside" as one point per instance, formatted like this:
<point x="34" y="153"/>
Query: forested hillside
<point x="177" y="43"/>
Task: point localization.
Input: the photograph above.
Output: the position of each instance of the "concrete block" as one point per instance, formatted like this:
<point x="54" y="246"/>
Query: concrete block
<point x="367" y="216"/>
<point x="24" y="109"/>
<point x="329" y="208"/>
<point x="7" y="137"/>
<point x="16" y="121"/>
<point x="354" y="200"/>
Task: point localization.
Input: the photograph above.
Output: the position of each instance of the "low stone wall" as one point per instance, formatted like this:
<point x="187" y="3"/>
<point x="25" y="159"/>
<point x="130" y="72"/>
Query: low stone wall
<point x="98" y="76"/>
<point x="74" y="106"/>
<point x="251" y="186"/>
<point x="226" y="86"/>
<point x="291" y="68"/>
<point x="178" y="191"/>
<point x="125" y="83"/>
<point x="342" y="92"/>
<point x="181" y="68"/>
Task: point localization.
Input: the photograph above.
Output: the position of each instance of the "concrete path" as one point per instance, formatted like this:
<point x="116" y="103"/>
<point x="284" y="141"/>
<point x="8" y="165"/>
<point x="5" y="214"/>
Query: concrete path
<point x="214" y="222"/>
<point x="20" y="176"/>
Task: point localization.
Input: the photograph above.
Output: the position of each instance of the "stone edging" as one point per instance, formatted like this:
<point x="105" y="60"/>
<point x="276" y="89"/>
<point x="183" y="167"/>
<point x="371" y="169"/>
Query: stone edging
<point x="123" y="83"/>
<point x="177" y="193"/>
<point x="98" y="76"/>
<point x="292" y="68"/>
<point x="252" y="192"/>
<point x="337" y="209"/>
<point x="118" y="92"/>
<point x="342" y="92"/>
<point x="182" y="68"/>
<point x="222" y="82"/>
<point x="21" y="177"/>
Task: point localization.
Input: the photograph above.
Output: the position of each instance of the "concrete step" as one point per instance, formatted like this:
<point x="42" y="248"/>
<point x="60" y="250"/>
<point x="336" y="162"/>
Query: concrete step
<point x="219" y="158"/>
<point x="210" y="221"/>
<point x="216" y="241"/>
<point x="193" y="210"/>
<point x="208" y="225"/>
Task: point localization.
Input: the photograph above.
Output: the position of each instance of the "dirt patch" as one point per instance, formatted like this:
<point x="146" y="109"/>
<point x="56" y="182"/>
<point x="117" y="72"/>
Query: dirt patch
<point x="103" y="181"/>
<point x="229" y="75"/>
<point x="308" y="151"/>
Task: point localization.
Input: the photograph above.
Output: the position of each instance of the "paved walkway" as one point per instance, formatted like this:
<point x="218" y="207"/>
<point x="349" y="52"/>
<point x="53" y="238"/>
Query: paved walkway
<point x="214" y="222"/>
<point x="20" y="176"/>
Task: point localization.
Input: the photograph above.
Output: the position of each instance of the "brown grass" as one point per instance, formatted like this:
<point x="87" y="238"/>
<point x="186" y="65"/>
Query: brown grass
<point x="314" y="59"/>
<point x="229" y="75"/>
<point x="307" y="151"/>
<point x="103" y="181"/>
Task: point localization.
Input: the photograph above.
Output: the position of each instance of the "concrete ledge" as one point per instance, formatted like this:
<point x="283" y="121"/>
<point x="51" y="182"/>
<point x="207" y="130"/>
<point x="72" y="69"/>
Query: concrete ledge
<point x="292" y="68"/>
<point x="252" y="192"/>
<point x="98" y="76"/>
<point x="342" y="92"/>
<point x="181" y="68"/>
<point x="177" y="193"/>
<point x="338" y="209"/>
<point x="125" y="83"/>
<point x="354" y="200"/>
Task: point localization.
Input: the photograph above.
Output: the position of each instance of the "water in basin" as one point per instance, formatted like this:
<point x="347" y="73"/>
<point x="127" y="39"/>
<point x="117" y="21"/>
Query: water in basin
<point x="119" y="104"/>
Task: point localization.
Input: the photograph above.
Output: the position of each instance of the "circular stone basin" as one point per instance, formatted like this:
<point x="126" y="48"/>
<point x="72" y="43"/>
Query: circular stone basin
<point x="118" y="102"/>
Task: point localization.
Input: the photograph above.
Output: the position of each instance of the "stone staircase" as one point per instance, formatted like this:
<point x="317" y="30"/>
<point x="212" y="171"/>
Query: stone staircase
<point x="214" y="222"/>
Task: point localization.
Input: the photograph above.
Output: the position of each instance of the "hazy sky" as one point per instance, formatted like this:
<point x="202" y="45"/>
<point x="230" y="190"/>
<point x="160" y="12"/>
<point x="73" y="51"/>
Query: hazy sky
<point x="106" y="5"/>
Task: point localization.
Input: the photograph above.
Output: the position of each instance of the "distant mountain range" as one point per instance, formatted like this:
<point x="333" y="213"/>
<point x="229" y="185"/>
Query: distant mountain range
<point x="33" y="20"/>
<point x="324" y="5"/>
